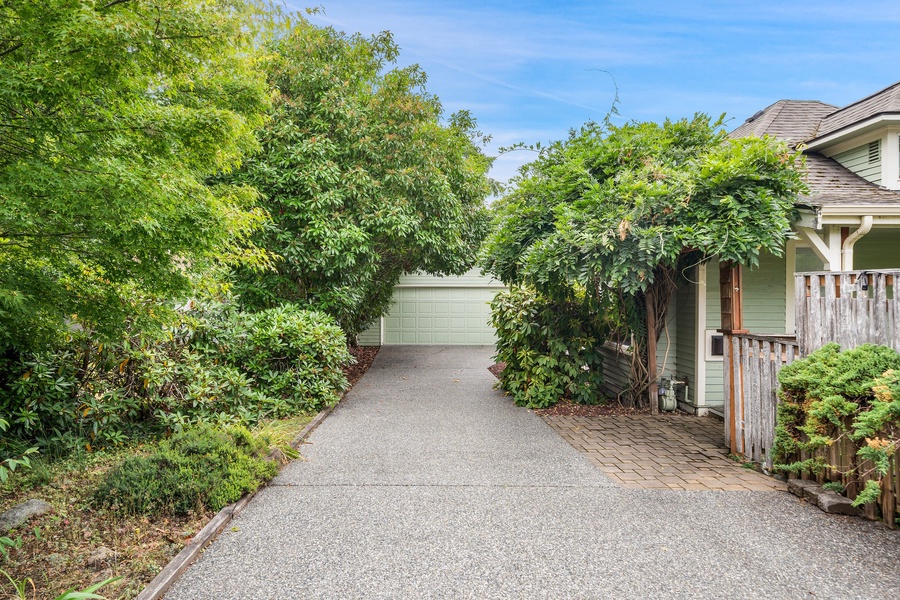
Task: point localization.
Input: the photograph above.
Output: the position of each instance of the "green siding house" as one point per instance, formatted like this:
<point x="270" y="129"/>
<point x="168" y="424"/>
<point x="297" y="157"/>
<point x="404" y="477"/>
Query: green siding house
<point x="850" y="220"/>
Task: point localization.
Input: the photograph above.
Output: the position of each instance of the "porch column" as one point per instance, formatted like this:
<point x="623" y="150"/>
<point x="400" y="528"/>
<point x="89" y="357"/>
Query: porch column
<point x="732" y="321"/>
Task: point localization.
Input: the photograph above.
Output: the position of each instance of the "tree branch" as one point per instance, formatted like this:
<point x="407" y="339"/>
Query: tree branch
<point x="11" y="50"/>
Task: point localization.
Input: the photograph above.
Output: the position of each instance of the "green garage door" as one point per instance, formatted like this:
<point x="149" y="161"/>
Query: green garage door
<point x="437" y="310"/>
<point x="440" y="315"/>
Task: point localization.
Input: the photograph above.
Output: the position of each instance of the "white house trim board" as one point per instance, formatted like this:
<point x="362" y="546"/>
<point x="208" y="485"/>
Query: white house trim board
<point x="852" y="132"/>
<point x="700" y="342"/>
<point x="890" y="159"/>
<point x="790" y="262"/>
<point x="827" y="251"/>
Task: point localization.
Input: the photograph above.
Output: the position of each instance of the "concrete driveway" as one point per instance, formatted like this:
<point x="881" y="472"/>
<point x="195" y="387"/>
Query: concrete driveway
<point x="426" y="483"/>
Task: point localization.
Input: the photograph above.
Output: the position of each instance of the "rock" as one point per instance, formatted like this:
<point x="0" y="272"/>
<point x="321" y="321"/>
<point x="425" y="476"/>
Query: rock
<point x="836" y="504"/>
<point x="796" y="486"/>
<point x="101" y="555"/>
<point x="20" y="513"/>
<point x="811" y="493"/>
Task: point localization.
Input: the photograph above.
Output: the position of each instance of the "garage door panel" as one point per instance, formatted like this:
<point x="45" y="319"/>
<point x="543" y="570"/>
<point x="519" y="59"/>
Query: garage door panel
<point x="440" y="316"/>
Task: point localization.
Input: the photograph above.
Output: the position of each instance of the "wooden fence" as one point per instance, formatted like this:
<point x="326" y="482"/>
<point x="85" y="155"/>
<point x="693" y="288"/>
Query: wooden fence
<point x="752" y="362"/>
<point x="846" y="468"/>
<point x="848" y="307"/>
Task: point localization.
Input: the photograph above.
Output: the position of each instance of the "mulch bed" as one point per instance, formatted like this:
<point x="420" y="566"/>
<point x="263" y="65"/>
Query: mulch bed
<point x="567" y="408"/>
<point x="364" y="356"/>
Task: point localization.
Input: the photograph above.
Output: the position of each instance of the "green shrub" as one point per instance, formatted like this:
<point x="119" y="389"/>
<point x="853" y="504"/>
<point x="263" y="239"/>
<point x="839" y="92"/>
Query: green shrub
<point x="296" y="355"/>
<point x="830" y="395"/>
<point x="200" y="468"/>
<point x="214" y="364"/>
<point x="551" y="349"/>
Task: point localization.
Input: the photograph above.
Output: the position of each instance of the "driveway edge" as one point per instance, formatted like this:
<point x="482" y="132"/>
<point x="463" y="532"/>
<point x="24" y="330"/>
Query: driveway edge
<point x="172" y="571"/>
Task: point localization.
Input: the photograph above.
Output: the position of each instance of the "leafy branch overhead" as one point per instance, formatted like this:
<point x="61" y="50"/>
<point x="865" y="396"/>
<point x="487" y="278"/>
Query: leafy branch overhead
<point x="605" y="208"/>
<point x="112" y="117"/>
<point x="361" y="178"/>
<point x="611" y="216"/>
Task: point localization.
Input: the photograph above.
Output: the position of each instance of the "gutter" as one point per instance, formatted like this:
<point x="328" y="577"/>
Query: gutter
<point x="847" y="246"/>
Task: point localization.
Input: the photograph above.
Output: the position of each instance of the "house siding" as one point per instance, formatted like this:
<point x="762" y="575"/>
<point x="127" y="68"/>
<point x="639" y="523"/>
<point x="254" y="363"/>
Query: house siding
<point x="764" y="297"/>
<point x="686" y="337"/>
<point x="715" y="378"/>
<point x="616" y="371"/>
<point x="879" y="249"/>
<point x="617" y="364"/>
<point x="371" y="336"/>
<point x="857" y="160"/>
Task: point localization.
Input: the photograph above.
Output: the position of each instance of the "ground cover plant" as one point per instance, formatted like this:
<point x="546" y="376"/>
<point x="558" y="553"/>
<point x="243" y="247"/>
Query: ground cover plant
<point x="200" y="469"/>
<point x="850" y="400"/>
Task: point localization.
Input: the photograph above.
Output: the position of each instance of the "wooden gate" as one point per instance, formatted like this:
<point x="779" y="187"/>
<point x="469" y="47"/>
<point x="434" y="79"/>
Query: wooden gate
<point x="752" y="362"/>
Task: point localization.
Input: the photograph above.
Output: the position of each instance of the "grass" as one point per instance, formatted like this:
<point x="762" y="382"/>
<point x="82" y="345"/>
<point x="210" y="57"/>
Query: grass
<point x="53" y="550"/>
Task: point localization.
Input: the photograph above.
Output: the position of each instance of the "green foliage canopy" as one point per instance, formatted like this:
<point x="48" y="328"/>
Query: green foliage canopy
<point x="606" y="208"/>
<point x="362" y="179"/>
<point x="112" y="116"/>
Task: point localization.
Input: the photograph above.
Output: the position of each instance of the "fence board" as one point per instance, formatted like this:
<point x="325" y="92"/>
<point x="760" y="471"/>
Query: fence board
<point x="830" y="307"/>
<point x="753" y="367"/>
<point x="833" y="307"/>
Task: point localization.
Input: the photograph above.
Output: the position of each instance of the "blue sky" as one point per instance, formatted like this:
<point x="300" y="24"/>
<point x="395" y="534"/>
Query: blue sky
<point x="530" y="71"/>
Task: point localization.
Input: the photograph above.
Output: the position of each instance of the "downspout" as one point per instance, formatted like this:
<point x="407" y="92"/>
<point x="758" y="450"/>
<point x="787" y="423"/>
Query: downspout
<point x="847" y="248"/>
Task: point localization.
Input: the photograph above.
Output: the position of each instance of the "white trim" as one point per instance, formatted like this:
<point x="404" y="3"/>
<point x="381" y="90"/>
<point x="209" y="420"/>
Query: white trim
<point x="852" y="143"/>
<point x="890" y="159"/>
<point x="851" y="132"/>
<point x="460" y="285"/>
<point x="700" y="327"/>
<point x="381" y="330"/>
<point x="790" y="264"/>
<point x="856" y="221"/>
<point x="823" y="248"/>
<point x="618" y="347"/>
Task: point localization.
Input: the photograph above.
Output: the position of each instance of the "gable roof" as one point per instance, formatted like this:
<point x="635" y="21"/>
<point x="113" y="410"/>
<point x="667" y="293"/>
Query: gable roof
<point x="886" y="101"/>
<point x="796" y="121"/>
<point x="793" y="121"/>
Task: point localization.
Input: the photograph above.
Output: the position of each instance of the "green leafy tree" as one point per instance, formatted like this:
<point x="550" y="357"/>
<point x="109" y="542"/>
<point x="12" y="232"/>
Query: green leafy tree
<point x="362" y="179"/>
<point x="113" y="114"/>
<point x="616" y="212"/>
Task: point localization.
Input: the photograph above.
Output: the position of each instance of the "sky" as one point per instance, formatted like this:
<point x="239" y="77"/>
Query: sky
<point x="530" y="71"/>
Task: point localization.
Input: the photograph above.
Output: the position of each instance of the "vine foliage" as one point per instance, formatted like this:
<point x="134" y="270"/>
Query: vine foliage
<point x="615" y="212"/>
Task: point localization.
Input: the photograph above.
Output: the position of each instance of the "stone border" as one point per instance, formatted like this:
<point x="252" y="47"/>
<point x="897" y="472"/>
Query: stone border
<point x="826" y="500"/>
<point x="172" y="571"/>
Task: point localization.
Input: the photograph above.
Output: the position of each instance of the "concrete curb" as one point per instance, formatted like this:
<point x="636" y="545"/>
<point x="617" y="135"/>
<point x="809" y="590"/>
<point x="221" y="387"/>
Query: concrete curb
<point x="172" y="571"/>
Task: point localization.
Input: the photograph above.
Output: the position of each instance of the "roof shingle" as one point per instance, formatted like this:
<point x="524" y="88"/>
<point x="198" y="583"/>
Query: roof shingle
<point x="832" y="184"/>
<point x="793" y="121"/>
<point x="882" y="102"/>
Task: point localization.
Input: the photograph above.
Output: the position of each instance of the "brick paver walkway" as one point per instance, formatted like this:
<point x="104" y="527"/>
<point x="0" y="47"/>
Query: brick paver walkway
<point x="677" y="452"/>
